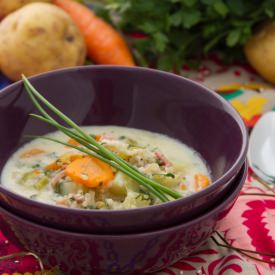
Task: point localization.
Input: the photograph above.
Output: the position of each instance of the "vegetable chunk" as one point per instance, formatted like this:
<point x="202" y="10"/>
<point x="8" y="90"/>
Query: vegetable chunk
<point x="90" y="172"/>
<point x="38" y="38"/>
<point x="201" y="182"/>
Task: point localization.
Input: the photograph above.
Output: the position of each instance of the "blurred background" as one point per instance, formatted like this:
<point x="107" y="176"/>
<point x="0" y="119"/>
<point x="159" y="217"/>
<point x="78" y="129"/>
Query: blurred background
<point x="228" y="45"/>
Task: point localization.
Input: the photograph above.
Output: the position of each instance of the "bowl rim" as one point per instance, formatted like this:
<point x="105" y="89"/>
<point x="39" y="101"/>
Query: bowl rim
<point x="232" y="171"/>
<point x="234" y="192"/>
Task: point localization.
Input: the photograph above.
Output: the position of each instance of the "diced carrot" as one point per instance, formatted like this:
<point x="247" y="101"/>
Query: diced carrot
<point x="72" y="141"/>
<point x="31" y="153"/>
<point x="52" y="166"/>
<point x="98" y="137"/>
<point x="90" y="172"/>
<point x="183" y="186"/>
<point x="201" y="182"/>
<point x="74" y="157"/>
<point x="102" y="136"/>
<point x="36" y="172"/>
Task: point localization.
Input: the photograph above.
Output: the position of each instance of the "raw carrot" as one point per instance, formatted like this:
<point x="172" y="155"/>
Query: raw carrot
<point x="104" y="44"/>
<point x="90" y="172"/>
<point x="31" y="153"/>
<point x="201" y="182"/>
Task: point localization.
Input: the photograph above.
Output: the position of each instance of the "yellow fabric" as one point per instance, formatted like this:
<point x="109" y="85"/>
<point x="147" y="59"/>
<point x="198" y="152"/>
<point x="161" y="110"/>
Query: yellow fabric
<point x="237" y="86"/>
<point x="253" y="106"/>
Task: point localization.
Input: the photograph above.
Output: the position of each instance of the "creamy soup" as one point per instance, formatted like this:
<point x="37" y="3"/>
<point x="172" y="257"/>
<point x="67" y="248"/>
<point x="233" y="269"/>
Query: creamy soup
<point x="52" y="173"/>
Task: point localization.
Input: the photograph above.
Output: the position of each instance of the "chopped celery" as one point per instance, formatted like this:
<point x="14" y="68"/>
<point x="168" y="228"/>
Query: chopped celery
<point x="166" y="179"/>
<point x="42" y="183"/>
<point x="118" y="188"/>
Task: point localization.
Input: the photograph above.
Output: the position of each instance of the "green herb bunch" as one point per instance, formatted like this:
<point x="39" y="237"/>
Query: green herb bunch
<point x="183" y="31"/>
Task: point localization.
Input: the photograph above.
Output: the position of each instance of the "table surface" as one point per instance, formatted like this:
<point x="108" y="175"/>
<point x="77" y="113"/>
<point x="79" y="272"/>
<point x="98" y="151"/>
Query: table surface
<point x="251" y="222"/>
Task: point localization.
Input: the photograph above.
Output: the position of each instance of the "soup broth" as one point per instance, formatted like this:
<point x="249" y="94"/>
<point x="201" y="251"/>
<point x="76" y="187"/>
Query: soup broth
<point x="55" y="174"/>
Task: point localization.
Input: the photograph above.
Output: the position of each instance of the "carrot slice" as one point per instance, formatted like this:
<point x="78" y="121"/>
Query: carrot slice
<point x="31" y="153"/>
<point x="201" y="182"/>
<point x="90" y="172"/>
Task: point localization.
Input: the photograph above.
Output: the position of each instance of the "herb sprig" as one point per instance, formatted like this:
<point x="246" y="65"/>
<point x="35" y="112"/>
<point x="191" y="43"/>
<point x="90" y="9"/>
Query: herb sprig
<point x="91" y="147"/>
<point x="175" y="32"/>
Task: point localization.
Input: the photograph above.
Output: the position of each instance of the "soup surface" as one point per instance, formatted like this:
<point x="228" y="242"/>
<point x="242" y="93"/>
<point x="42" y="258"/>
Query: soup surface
<point x="52" y="173"/>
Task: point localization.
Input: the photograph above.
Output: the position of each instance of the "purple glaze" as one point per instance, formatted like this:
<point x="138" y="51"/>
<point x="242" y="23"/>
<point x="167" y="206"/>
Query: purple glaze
<point x="79" y="253"/>
<point x="134" y="97"/>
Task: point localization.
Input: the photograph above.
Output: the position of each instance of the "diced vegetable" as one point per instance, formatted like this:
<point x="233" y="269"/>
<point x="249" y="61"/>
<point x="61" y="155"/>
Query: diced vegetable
<point x="58" y="188"/>
<point x="36" y="172"/>
<point x="201" y="182"/>
<point x="42" y="183"/>
<point x="90" y="172"/>
<point x="134" y="200"/>
<point x="118" y="188"/>
<point x="129" y="183"/>
<point x="144" y="197"/>
<point x="73" y="142"/>
<point x="183" y="186"/>
<point x="100" y="205"/>
<point x="31" y="153"/>
<point x="29" y="176"/>
<point x="68" y="187"/>
<point x="166" y="179"/>
<point x="98" y="137"/>
<point x="26" y="177"/>
<point x="52" y="166"/>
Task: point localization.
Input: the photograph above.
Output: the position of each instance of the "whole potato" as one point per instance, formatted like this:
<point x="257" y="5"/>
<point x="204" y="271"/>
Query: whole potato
<point x="260" y="51"/>
<point x="37" y="38"/>
<point x="8" y="6"/>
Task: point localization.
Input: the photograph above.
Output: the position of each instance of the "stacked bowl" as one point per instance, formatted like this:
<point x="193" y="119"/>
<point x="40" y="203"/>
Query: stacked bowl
<point x="133" y="241"/>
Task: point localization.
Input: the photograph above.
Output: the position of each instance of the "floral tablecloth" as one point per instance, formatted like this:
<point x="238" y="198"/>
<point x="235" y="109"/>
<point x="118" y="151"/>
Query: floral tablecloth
<point x="251" y="222"/>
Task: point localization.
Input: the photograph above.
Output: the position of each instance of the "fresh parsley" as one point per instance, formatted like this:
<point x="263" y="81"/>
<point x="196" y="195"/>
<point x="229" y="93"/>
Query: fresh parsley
<point x="175" y="32"/>
<point x="37" y="165"/>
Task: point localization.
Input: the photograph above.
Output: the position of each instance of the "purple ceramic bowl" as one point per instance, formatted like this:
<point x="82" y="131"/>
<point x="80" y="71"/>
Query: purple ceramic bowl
<point x="134" y="97"/>
<point x="80" y="253"/>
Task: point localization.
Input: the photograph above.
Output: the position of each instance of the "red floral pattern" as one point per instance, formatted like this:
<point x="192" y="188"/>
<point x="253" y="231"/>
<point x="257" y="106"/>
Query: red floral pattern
<point x="250" y="225"/>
